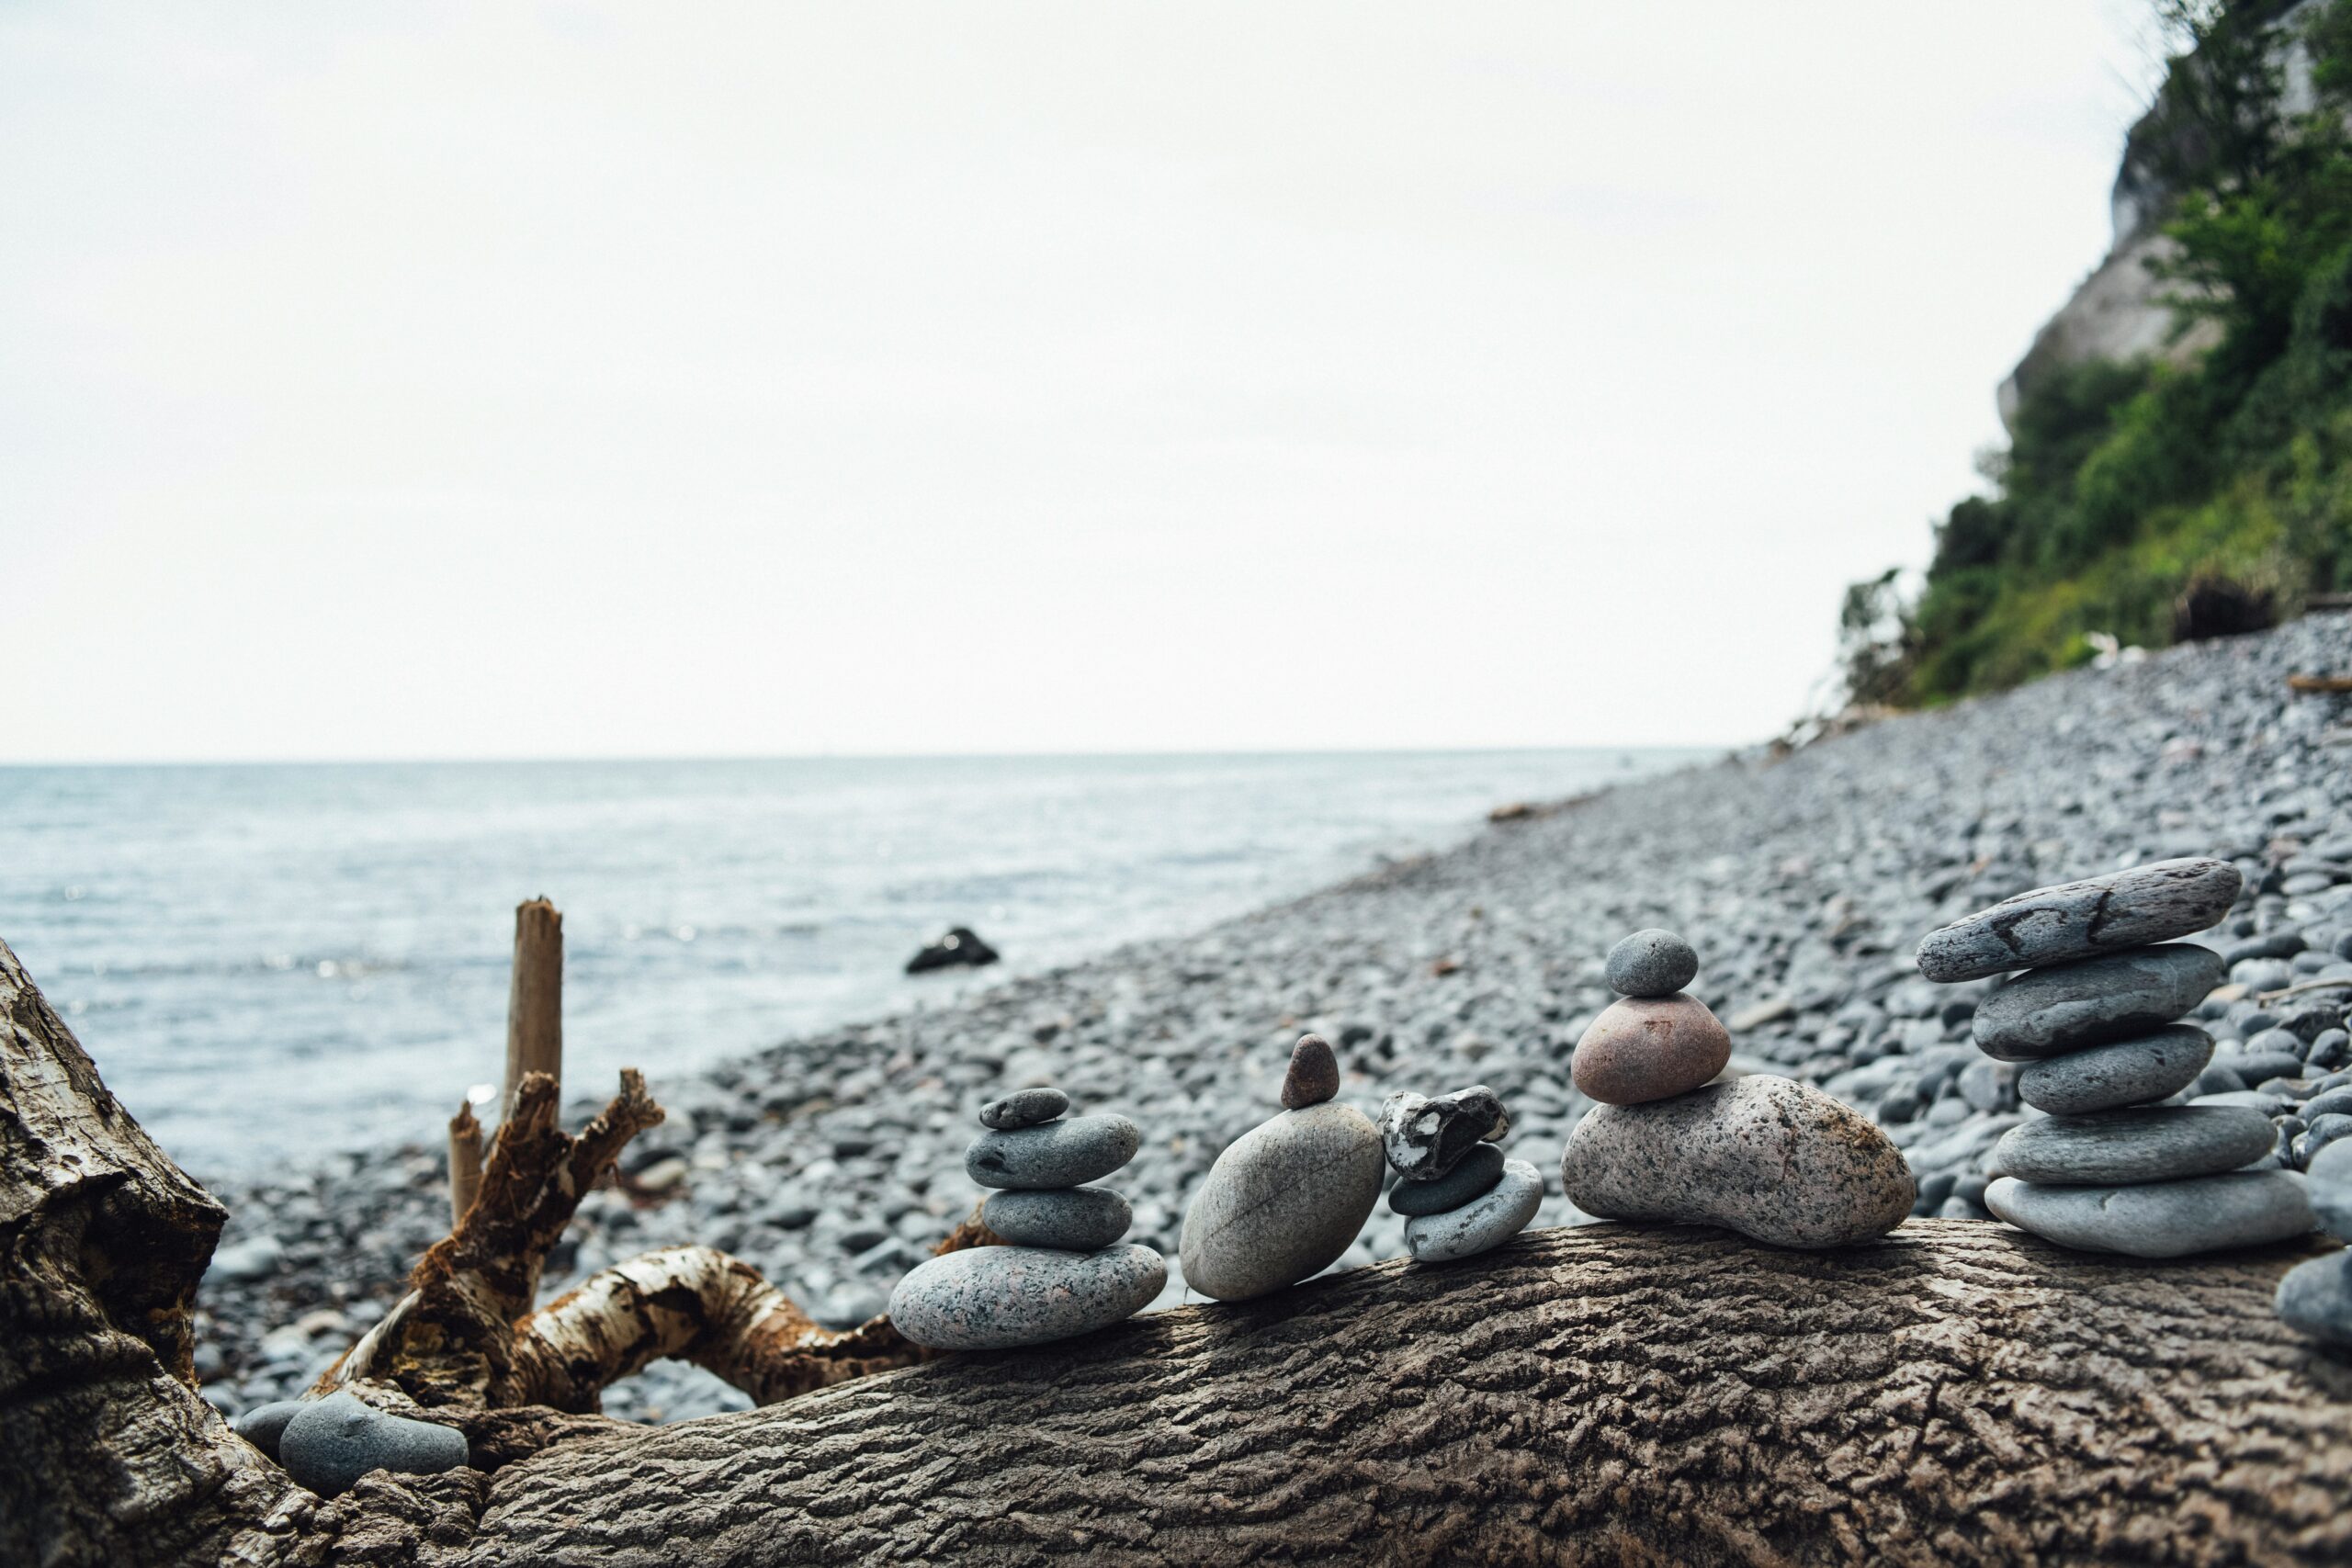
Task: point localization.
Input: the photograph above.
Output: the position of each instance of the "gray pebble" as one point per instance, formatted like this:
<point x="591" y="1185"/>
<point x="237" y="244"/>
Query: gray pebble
<point x="1024" y="1108"/>
<point x="2045" y="1012"/>
<point x="2082" y="920"/>
<point x="2316" y="1298"/>
<point x="2165" y="1219"/>
<point x="2151" y="1143"/>
<point x="1485" y="1223"/>
<point x="1081" y="1219"/>
<point x="1473" y="1176"/>
<point x="1651" y="963"/>
<point x="1282" y="1202"/>
<point x="2331" y="1049"/>
<point x="264" y="1424"/>
<point x="2129" y="1072"/>
<point x="2328" y="1178"/>
<point x="988" y="1298"/>
<point x="1424" y="1136"/>
<point x="1053" y="1154"/>
<point x="332" y="1442"/>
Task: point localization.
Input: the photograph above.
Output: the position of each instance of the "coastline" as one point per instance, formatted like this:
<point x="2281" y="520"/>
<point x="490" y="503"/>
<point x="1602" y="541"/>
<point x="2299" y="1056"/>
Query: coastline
<point x="832" y="1161"/>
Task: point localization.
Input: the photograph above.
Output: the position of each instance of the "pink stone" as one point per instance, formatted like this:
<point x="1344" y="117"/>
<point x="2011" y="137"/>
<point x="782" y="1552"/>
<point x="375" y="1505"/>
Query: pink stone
<point x="1646" y="1048"/>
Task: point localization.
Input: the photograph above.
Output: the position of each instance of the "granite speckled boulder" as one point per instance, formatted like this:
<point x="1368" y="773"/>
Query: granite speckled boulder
<point x="1483" y="1224"/>
<point x="1081" y="1219"/>
<point x="1281" y="1202"/>
<point x="1474" y="1173"/>
<point x="2129" y="1072"/>
<point x="1646" y="1048"/>
<point x="1024" y="1108"/>
<point x="2106" y="1148"/>
<point x="1771" y="1158"/>
<point x="1053" y="1154"/>
<point x="990" y="1298"/>
<point x="1425" y="1136"/>
<point x="2082" y="920"/>
<point x="332" y="1442"/>
<point x="2170" y="1219"/>
<point x="2047" y="1012"/>
<point x="1651" y="963"/>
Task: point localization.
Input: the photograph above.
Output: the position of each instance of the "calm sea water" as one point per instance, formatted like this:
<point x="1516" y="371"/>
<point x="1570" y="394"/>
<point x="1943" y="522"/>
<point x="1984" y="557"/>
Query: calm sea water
<point x="271" y="962"/>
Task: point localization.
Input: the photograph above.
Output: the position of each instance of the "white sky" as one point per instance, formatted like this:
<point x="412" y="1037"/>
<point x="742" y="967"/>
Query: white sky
<point x="401" y="380"/>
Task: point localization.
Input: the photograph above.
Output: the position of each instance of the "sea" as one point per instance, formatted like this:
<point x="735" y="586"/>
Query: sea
<point x="273" y="963"/>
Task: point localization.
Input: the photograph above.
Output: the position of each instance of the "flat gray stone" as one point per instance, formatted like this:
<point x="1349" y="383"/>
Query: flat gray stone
<point x="1024" y="1108"/>
<point x="1053" y="1154"/>
<point x="2161" y="1143"/>
<point x="1424" y="1135"/>
<point x="2165" y="1219"/>
<point x="1079" y="1219"/>
<point x="1771" y="1158"/>
<point x="990" y="1298"/>
<point x="1473" y="1177"/>
<point x="2082" y="920"/>
<point x="2047" y="1012"/>
<point x="1481" y="1224"/>
<point x="1651" y="963"/>
<point x="332" y="1442"/>
<point x="2156" y="1065"/>
<point x="1281" y="1202"/>
<point x="2315" y="1299"/>
<point x="2329" y="1180"/>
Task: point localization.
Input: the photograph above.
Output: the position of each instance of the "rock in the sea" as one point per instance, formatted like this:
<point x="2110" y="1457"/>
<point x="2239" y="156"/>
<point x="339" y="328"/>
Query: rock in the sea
<point x="988" y="1298"/>
<point x="2316" y="1298"/>
<point x="1646" y="1048"/>
<point x="264" y="1424"/>
<point x="959" y="946"/>
<point x="1774" y="1159"/>
<point x="1053" y="1154"/>
<point x="1079" y="1219"/>
<point x="1425" y="1136"/>
<point x="332" y="1442"/>
<point x="2082" y="920"/>
<point x="1473" y="1176"/>
<point x="1024" y="1108"/>
<point x="1483" y="1224"/>
<point x="2129" y="1072"/>
<point x="2159" y="1142"/>
<point x="2046" y="1012"/>
<point x="2165" y="1219"/>
<point x="1651" y="963"/>
<point x="1282" y="1202"/>
<point x="1314" y="1074"/>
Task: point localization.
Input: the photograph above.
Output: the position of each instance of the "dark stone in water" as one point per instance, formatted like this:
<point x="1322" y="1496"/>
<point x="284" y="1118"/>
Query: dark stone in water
<point x="961" y="945"/>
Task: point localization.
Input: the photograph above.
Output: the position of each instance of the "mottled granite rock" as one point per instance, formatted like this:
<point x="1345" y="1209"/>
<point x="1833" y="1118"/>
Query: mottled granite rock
<point x="1281" y="1202"/>
<point x="2165" y="1219"/>
<point x="1053" y="1154"/>
<point x="2082" y="920"/>
<point x="990" y="1298"/>
<point x="1425" y="1136"/>
<point x="1483" y="1224"/>
<point x="1774" y="1159"/>
<point x="332" y="1442"/>
<point x="2047" y="1012"/>
<point x="1081" y="1219"/>
<point x="1651" y="963"/>
<point x="1314" y="1074"/>
<point x="1473" y="1176"/>
<point x="2156" y="1142"/>
<point x="2129" y="1072"/>
<point x="1024" y="1108"/>
<point x="1646" y="1048"/>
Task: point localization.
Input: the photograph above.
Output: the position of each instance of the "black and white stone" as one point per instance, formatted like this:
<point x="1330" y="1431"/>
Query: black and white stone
<point x="1423" y="1136"/>
<point x="2073" y="920"/>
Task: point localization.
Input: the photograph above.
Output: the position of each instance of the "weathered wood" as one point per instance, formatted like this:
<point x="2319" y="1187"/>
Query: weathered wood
<point x="465" y="1162"/>
<point x="2319" y="684"/>
<point x="535" y="998"/>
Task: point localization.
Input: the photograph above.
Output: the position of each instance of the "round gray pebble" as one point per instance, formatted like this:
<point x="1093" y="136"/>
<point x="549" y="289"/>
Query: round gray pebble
<point x="1651" y="963"/>
<point x="1053" y="1154"/>
<point x="1485" y="1223"/>
<point x="1473" y="1178"/>
<point x="332" y="1442"/>
<point x="1079" y="1219"/>
<point x="2165" y="1219"/>
<point x="2315" y="1299"/>
<point x="264" y="1424"/>
<point x="2129" y="1072"/>
<point x="1024" y="1108"/>
<point x="2329" y="1181"/>
<point x="2046" y="1012"/>
<point x="2154" y="1144"/>
<point x="990" y="1298"/>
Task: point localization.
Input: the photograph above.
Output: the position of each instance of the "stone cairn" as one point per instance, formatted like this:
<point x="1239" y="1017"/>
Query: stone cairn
<point x="1459" y="1195"/>
<point x="2120" y="1162"/>
<point x="1062" y="1271"/>
<point x="1778" y="1161"/>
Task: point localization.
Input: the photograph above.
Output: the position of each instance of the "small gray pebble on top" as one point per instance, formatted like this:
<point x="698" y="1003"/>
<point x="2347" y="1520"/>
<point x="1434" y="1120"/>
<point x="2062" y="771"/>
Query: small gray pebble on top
<point x="332" y="1442"/>
<point x="1651" y="963"/>
<point x="1024" y="1108"/>
<point x="264" y="1424"/>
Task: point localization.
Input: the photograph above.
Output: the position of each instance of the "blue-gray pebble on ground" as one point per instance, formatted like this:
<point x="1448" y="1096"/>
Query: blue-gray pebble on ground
<point x="1024" y="1108"/>
<point x="1651" y="963"/>
<point x="264" y="1424"/>
<point x="1483" y="1224"/>
<point x="2163" y="1219"/>
<point x="2111" y="1148"/>
<point x="2134" y="908"/>
<point x="1077" y="1219"/>
<point x="2316" y="1298"/>
<point x="992" y="1298"/>
<point x="2329" y="1180"/>
<point x="2154" y="1066"/>
<point x="1053" y="1154"/>
<point x="1471" y="1177"/>
<point x="332" y="1442"/>
<point x="2092" y="1001"/>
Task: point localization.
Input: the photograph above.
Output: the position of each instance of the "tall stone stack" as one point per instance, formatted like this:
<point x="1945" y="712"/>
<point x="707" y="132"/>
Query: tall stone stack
<point x="2117" y="1164"/>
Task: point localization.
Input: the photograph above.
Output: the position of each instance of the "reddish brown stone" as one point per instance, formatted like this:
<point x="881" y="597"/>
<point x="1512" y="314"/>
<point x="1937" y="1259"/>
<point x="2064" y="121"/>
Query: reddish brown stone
<point x="1646" y="1048"/>
<point x="1314" y="1074"/>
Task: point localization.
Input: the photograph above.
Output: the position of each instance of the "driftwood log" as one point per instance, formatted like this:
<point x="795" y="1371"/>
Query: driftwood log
<point x="1957" y="1394"/>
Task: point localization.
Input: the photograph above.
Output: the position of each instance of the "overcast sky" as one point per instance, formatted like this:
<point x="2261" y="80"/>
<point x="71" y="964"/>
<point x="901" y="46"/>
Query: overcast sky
<point x="423" y="380"/>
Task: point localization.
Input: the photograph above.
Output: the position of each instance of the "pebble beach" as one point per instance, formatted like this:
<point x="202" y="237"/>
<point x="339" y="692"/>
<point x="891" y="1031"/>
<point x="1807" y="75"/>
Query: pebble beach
<point x="1804" y="880"/>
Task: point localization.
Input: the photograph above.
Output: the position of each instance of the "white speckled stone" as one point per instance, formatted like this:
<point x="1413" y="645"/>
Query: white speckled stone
<point x="1281" y="1202"/>
<point x="990" y="1298"/>
<point x="1483" y="1224"/>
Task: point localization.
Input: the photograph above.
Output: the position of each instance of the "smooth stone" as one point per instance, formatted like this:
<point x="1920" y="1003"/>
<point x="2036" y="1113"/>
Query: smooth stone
<point x="2316" y="1298"/>
<point x="1024" y="1108"/>
<point x="1053" y="1154"/>
<point x="1485" y="1223"/>
<point x="1077" y="1219"/>
<point x="1651" y="963"/>
<point x="2328" y="1180"/>
<point x="1426" y="1136"/>
<point x="2249" y="1099"/>
<point x="1473" y="1177"/>
<point x="1314" y="1074"/>
<point x="2129" y="1072"/>
<point x="2165" y="1219"/>
<point x="1647" y="1048"/>
<point x="1776" y="1160"/>
<point x="264" y="1424"/>
<point x="332" y="1442"/>
<point x="1282" y="1202"/>
<point x="2106" y="1148"/>
<point x="2046" y="1012"/>
<point x="990" y="1298"/>
<point x="2073" y="921"/>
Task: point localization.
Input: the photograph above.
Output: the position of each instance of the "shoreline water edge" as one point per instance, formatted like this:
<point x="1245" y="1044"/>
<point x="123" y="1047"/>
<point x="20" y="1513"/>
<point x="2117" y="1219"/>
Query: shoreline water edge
<point x="833" y="1162"/>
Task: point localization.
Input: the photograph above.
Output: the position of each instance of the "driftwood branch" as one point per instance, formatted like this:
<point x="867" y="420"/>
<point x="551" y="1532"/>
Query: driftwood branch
<point x="465" y="1162"/>
<point x="535" y="998"/>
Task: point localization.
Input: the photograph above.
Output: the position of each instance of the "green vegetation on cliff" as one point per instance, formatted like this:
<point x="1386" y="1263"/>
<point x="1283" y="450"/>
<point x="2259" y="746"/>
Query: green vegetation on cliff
<point x="2144" y="501"/>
